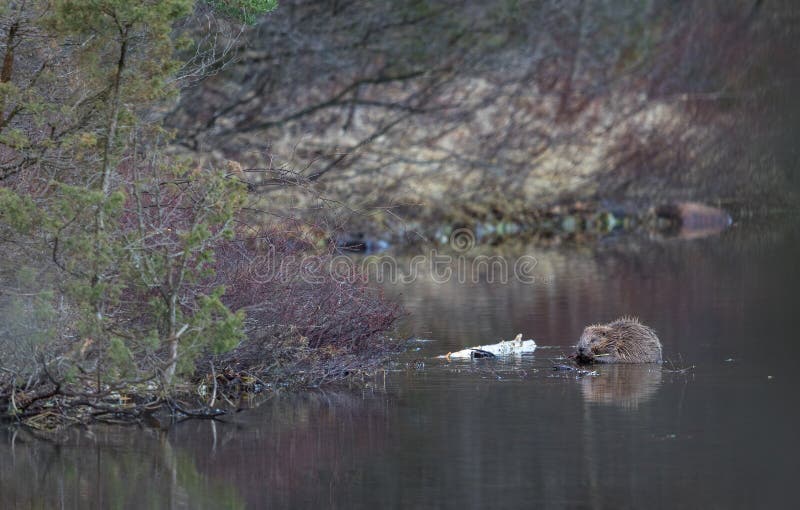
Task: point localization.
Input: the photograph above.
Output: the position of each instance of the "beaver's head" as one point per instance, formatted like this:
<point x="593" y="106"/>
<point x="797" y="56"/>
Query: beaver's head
<point x="597" y="345"/>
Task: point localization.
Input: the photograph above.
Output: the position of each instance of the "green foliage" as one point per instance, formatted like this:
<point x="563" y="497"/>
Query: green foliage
<point x="120" y="358"/>
<point x="133" y="240"/>
<point x="246" y="11"/>
<point x="15" y="138"/>
<point x="222" y="328"/>
<point x="124" y="42"/>
<point x="18" y="212"/>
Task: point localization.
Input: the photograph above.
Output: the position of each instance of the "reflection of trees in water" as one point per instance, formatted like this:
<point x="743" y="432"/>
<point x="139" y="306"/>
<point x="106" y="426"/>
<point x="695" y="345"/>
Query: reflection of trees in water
<point x="480" y="444"/>
<point x="711" y="288"/>
<point x="500" y="444"/>
<point x="105" y="468"/>
<point x="293" y="451"/>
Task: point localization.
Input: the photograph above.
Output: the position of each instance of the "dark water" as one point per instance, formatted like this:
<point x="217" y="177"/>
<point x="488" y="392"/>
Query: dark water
<point x="492" y="434"/>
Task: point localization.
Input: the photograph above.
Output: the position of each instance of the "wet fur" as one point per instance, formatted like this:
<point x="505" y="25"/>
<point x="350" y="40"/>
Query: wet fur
<point x="625" y="340"/>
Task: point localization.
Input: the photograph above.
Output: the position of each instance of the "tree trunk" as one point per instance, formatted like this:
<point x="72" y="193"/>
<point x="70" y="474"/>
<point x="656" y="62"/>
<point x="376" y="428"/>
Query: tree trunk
<point x="111" y="133"/>
<point x="172" y="341"/>
<point x="8" y="65"/>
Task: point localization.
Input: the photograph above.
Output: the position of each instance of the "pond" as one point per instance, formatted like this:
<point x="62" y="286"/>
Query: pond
<point x="715" y="428"/>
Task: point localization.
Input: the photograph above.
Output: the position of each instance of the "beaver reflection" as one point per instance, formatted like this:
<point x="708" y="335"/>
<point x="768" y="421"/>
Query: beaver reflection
<point x="622" y="385"/>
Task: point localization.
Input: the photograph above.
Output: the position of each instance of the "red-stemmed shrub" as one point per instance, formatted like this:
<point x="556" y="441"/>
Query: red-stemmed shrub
<point x="305" y="323"/>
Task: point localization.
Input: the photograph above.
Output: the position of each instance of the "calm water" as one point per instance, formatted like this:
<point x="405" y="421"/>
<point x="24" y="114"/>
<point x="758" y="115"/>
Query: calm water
<point x="502" y="435"/>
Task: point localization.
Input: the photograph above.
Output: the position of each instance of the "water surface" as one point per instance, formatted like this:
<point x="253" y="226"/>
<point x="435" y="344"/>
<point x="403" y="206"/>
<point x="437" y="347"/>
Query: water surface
<point x="494" y="434"/>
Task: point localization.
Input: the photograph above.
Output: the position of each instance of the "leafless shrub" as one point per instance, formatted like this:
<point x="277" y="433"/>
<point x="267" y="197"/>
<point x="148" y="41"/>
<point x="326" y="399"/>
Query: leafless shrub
<point x="532" y="101"/>
<point x="303" y="324"/>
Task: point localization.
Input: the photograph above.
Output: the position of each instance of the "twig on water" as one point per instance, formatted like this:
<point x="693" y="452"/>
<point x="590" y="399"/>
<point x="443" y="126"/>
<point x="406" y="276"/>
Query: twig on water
<point x="676" y="369"/>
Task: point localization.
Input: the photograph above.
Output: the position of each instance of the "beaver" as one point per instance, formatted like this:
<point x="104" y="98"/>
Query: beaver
<point x="625" y="340"/>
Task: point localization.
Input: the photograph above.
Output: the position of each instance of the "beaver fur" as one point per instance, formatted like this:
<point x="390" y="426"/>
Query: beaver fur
<point x="626" y="340"/>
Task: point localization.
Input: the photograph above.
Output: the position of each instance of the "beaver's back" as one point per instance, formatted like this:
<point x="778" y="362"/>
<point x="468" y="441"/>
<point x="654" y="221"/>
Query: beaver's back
<point x="635" y="342"/>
